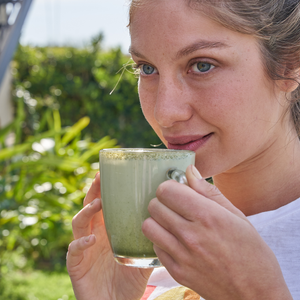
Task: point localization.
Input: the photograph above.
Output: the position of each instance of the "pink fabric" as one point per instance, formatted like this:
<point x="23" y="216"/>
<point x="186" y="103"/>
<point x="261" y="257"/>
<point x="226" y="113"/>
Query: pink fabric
<point x="149" y="290"/>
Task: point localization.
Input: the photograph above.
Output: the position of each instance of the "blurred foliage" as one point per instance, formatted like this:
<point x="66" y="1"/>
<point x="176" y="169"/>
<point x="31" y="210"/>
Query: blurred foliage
<point x="44" y="177"/>
<point x="36" y="285"/>
<point x="80" y="82"/>
<point x="64" y="114"/>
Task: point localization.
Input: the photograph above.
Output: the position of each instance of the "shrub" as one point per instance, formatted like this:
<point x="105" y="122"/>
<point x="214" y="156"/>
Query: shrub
<point x="80" y="82"/>
<point x="43" y="180"/>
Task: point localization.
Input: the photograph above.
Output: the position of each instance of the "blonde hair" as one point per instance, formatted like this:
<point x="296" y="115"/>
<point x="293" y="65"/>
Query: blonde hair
<point x="276" y="25"/>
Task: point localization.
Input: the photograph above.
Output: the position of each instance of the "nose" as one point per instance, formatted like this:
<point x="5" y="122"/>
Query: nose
<point x="172" y="102"/>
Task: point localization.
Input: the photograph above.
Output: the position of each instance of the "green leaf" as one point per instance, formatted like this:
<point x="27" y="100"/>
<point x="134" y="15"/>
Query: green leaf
<point x="7" y="153"/>
<point x="105" y="142"/>
<point x="44" y="135"/>
<point x="57" y="121"/>
<point x="75" y="130"/>
<point x="57" y="128"/>
<point x="4" y="131"/>
<point x="64" y="163"/>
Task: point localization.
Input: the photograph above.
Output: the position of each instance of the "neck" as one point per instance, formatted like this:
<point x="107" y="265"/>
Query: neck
<point x="265" y="183"/>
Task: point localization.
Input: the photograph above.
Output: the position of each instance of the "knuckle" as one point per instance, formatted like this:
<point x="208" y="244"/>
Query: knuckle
<point x="93" y="192"/>
<point x="207" y="219"/>
<point x="152" y="205"/>
<point x="86" y="201"/>
<point x="191" y="242"/>
<point x="160" y="190"/>
<point x="177" y="273"/>
<point x="77" y="223"/>
<point x="213" y="190"/>
<point x="146" y="226"/>
<point x="74" y="221"/>
<point x="164" y="187"/>
<point x="71" y="248"/>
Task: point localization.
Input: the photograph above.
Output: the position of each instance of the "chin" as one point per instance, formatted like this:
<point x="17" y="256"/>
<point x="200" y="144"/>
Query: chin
<point x="208" y="169"/>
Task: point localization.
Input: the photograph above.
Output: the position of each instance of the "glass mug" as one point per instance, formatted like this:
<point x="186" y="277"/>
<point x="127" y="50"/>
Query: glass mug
<point x="129" y="180"/>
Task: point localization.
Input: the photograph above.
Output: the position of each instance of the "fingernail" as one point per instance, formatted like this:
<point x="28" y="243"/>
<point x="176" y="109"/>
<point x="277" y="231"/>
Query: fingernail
<point x="97" y="174"/>
<point x="196" y="172"/>
<point x="93" y="202"/>
<point x="87" y="239"/>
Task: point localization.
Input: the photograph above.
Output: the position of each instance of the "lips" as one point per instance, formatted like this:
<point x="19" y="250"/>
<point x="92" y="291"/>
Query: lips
<point x="191" y="143"/>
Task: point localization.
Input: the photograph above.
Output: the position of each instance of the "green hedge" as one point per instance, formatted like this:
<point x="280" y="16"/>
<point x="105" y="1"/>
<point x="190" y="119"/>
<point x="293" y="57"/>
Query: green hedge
<point x="79" y="82"/>
<point x="43" y="180"/>
<point x="62" y="96"/>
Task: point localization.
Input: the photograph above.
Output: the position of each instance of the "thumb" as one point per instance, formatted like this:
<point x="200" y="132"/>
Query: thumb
<point x="210" y="191"/>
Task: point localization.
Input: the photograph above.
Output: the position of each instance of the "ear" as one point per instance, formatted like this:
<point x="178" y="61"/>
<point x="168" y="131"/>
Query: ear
<point x="292" y="81"/>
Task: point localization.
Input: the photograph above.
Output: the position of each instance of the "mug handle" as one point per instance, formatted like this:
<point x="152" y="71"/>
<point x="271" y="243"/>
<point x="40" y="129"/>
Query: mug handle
<point x="177" y="175"/>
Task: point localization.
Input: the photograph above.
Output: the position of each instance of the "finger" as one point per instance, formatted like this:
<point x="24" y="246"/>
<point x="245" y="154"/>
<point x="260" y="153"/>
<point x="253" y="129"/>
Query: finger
<point x="162" y="238"/>
<point x="94" y="191"/>
<point x="165" y="221"/>
<point x="194" y="200"/>
<point x="166" y="217"/>
<point x="81" y="222"/>
<point x="182" y="199"/>
<point x="210" y="191"/>
<point x="76" y="250"/>
<point x="164" y="257"/>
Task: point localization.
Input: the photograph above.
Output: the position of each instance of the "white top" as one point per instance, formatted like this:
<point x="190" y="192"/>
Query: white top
<point x="279" y="228"/>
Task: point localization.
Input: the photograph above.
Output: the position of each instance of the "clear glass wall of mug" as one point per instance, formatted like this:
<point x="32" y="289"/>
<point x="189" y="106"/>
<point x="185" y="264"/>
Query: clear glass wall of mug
<point x="129" y="180"/>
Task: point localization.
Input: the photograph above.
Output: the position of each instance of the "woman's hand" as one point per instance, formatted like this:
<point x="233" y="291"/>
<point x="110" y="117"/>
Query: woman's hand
<point x="208" y="245"/>
<point x="90" y="263"/>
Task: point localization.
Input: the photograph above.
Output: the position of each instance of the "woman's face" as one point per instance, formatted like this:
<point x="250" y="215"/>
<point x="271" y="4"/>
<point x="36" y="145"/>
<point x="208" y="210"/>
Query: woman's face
<point x="202" y="87"/>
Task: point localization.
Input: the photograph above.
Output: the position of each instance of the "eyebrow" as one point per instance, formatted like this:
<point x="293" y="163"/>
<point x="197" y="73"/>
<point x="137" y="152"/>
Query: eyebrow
<point x="199" y="45"/>
<point x="202" y="44"/>
<point x="135" y="53"/>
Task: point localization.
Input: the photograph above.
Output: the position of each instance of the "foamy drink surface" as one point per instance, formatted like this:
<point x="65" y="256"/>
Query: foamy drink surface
<point x="129" y="180"/>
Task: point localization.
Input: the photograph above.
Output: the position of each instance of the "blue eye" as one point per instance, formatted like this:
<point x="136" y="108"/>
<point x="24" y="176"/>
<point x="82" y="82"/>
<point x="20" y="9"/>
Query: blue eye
<point x="148" y="70"/>
<point x="202" y="67"/>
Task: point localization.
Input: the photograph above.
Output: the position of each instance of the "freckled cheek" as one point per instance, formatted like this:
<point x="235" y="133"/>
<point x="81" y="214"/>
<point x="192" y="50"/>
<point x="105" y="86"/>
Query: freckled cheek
<point x="214" y="100"/>
<point x="147" y="89"/>
<point x="147" y="101"/>
<point x="223" y="107"/>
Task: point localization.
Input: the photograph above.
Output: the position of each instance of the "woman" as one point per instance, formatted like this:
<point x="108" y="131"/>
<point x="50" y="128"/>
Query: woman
<point x="219" y="78"/>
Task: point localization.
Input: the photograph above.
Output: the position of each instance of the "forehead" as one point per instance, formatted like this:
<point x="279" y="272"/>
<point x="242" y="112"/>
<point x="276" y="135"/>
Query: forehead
<point x="163" y="14"/>
<point x="172" y="24"/>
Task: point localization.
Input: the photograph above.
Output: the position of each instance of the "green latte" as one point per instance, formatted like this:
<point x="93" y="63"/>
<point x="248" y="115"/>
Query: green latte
<point x="129" y="180"/>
